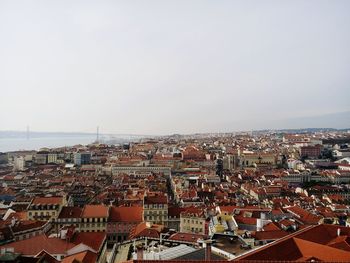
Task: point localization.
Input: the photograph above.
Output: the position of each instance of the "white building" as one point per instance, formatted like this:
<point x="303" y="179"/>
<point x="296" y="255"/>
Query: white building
<point x="19" y="163"/>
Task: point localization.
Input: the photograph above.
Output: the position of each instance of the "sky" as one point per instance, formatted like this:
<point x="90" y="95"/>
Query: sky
<point x="164" y="67"/>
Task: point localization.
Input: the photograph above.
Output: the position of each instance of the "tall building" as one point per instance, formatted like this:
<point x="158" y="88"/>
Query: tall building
<point x="19" y="163"/>
<point x="311" y="151"/>
<point x="45" y="208"/>
<point x="41" y="157"/>
<point x="155" y="208"/>
<point x="94" y="218"/>
<point x="3" y="158"/>
<point x="82" y="158"/>
<point x="193" y="220"/>
<point x="121" y="221"/>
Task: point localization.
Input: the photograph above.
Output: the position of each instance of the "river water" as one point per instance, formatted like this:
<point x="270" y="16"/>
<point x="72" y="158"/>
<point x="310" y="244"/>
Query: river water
<point x="16" y="144"/>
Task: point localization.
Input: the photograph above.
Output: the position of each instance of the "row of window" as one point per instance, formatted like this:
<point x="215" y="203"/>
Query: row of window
<point x="120" y="224"/>
<point x="118" y="229"/>
<point x="157" y="212"/>
<point x="192" y="221"/>
<point x="94" y="219"/>
<point x="192" y="229"/>
<point x="44" y="207"/>
<point x="146" y="206"/>
<point x="118" y="238"/>
<point x="47" y="213"/>
<point x="68" y="220"/>
<point x="93" y="225"/>
<point x="155" y="218"/>
<point x="94" y="230"/>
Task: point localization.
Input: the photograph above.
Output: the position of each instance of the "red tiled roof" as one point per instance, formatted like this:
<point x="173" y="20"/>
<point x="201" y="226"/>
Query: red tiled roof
<point x="47" y="200"/>
<point x="310" y="242"/>
<point x="175" y="211"/>
<point x="245" y="220"/>
<point x="271" y="226"/>
<point x="95" y="211"/>
<point x="94" y="240"/>
<point x="46" y="257"/>
<point x="82" y="257"/>
<point x="196" y="211"/>
<point x="70" y="212"/>
<point x="304" y="216"/>
<point x="34" y="245"/>
<point x="188" y="237"/>
<point x="145" y="229"/>
<point x="228" y="209"/>
<point x="158" y="199"/>
<point x="27" y="225"/>
<point x="132" y="214"/>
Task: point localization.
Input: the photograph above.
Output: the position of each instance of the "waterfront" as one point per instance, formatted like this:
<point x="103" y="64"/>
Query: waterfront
<point x="16" y="144"/>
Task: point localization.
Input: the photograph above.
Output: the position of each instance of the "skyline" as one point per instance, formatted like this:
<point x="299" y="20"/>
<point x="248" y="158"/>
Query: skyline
<point x="164" y="68"/>
<point x="308" y="122"/>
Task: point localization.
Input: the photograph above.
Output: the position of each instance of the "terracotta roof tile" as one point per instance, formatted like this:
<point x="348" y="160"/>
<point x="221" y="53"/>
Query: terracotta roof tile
<point x="132" y="214"/>
<point x="35" y="245"/>
<point x="47" y="200"/>
<point x="94" y="240"/>
<point x="82" y="257"/>
<point x="188" y="237"/>
<point x="312" y="242"/>
<point x="70" y="212"/>
<point x="95" y="211"/>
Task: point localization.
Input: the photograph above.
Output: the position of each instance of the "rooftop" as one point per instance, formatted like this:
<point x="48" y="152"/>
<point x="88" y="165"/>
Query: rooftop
<point x="95" y="211"/>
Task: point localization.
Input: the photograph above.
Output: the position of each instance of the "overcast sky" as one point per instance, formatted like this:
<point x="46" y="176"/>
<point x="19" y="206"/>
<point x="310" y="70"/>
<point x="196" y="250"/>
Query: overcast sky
<point x="158" y="67"/>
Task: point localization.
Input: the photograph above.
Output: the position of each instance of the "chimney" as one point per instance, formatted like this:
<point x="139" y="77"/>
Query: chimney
<point x="139" y="252"/>
<point x="13" y="221"/>
<point x="207" y="245"/>
<point x="208" y="251"/>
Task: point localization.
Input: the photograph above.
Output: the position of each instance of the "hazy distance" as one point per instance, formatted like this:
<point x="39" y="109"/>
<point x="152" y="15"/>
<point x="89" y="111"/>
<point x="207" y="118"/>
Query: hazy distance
<point x="163" y="67"/>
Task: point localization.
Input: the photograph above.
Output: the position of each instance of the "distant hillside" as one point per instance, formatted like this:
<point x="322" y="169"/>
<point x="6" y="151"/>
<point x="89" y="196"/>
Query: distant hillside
<point x="339" y="120"/>
<point x="304" y="130"/>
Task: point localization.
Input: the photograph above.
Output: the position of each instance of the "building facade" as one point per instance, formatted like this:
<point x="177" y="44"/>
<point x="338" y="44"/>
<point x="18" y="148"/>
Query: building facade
<point x="155" y="209"/>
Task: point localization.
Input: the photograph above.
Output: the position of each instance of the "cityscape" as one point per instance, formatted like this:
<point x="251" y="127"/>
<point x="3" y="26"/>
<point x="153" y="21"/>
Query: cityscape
<point x="230" y="196"/>
<point x="174" y="131"/>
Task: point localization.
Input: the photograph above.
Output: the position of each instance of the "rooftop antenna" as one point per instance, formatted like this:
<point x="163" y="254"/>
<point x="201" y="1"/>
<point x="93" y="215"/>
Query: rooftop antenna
<point x="27" y="132"/>
<point x="97" y="134"/>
